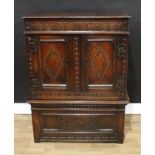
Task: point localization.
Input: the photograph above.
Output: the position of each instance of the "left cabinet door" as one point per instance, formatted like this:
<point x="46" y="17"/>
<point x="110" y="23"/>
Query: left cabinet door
<point x="49" y="63"/>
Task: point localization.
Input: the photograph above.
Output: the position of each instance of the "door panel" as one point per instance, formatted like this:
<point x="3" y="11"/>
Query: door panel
<point x="98" y="62"/>
<point x="54" y="62"/>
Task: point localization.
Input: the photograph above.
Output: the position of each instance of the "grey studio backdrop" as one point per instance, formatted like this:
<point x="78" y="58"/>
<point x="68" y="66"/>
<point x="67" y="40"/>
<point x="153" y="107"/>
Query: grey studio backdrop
<point x="132" y="7"/>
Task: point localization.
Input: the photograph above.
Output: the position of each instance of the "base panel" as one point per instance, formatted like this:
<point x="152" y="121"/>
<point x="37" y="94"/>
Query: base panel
<point x="78" y="123"/>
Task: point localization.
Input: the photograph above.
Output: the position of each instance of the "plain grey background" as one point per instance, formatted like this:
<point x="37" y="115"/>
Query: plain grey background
<point x="132" y="7"/>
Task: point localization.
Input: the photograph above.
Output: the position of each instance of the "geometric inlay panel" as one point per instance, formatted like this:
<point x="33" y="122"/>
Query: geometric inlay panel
<point x="99" y="61"/>
<point x="52" y="59"/>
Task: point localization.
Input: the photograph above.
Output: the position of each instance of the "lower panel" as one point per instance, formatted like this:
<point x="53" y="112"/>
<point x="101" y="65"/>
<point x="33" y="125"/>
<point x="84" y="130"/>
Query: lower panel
<point x="65" y="123"/>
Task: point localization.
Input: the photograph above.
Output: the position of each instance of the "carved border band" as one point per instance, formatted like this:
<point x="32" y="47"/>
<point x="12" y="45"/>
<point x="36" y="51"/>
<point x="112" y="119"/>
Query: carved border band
<point x="82" y="106"/>
<point x="78" y="94"/>
<point x="76" y="63"/>
<point x="34" y="81"/>
<point x="57" y="138"/>
<point x="103" y="25"/>
<point x="32" y="44"/>
<point x="122" y="54"/>
<point x="122" y="48"/>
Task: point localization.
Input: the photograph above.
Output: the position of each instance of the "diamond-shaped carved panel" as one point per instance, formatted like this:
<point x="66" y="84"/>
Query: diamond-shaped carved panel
<point x="52" y="63"/>
<point x="99" y="61"/>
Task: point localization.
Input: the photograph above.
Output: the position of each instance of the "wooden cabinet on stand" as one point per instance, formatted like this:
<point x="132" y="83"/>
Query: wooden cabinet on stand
<point x="77" y="66"/>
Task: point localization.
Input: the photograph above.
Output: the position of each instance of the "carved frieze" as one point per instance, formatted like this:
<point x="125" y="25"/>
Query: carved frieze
<point x="105" y="25"/>
<point x="90" y="107"/>
<point x="78" y="94"/>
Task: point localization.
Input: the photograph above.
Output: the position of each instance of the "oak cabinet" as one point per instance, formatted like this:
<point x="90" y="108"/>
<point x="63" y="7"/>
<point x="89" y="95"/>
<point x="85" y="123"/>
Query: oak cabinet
<point x="77" y="76"/>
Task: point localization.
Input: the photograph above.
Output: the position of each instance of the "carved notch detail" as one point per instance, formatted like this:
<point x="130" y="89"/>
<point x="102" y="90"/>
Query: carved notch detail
<point x="28" y="25"/>
<point x="120" y="85"/>
<point x="120" y="82"/>
<point x="121" y="48"/>
<point x="76" y="63"/>
<point x="32" y="43"/>
<point x="34" y="79"/>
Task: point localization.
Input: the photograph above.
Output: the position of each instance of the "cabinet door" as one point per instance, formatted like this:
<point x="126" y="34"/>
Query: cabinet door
<point x="97" y="62"/>
<point x="49" y="63"/>
<point x="104" y="63"/>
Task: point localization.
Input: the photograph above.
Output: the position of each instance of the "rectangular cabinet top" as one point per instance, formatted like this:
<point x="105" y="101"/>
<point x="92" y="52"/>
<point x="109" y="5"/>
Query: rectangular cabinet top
<point x="77" y="15"/>
<point x="77" y="23"/>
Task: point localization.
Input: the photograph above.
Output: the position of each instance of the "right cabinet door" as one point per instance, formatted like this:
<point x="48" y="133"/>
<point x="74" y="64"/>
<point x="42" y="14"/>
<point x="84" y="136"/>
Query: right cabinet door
<point x="104" y="63"/>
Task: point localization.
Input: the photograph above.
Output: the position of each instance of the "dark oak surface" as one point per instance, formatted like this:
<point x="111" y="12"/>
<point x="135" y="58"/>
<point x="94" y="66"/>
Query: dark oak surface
<point x="77" y="76"/>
